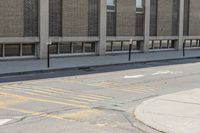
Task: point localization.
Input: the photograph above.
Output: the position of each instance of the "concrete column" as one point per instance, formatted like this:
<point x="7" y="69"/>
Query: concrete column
<point x="179" y="45"/>
<point x="43" y="28"/>
<point x="144" y="46"/>
<point x="101" y="47"/>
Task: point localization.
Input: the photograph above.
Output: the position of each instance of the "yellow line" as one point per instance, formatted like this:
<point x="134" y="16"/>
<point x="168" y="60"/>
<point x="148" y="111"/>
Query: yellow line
<point x="47" y="101"/>
<point x="89" y="96"/>
<point x="32" y="93"/>
<point x="80" y="97"/>
<point x="43" y="114"/>
<point x="92" y="95"/>
<point x="50" y="95"/>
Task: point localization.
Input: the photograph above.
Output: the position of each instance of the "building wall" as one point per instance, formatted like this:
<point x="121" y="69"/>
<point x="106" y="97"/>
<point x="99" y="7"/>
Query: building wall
<point x="125" y="17"/>
<point x="164" y="17"/>
<point x="186" y="17"/>
<point x="153" y="17"/>
<point x="194" y="18"/>
<point x="175" y="17"/>
<point x="55" y="17"/>
<point x="80" y="18"/>
<point x="93" y="17"/>
<point x="11" y="18"/>
<point x="75" y="18"/>
<point x="76" y="22"/>
<point x="111" y="24"/>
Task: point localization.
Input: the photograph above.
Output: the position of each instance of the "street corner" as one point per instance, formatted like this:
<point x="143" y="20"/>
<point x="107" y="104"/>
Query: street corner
<point x="172" y="113"/>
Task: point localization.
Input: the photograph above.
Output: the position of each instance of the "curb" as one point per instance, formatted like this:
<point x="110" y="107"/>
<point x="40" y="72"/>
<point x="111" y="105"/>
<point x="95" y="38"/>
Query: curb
<point x="89" y="66"/>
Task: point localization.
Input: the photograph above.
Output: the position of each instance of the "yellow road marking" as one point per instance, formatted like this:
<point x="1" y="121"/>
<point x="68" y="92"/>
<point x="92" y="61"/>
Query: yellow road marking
<point x="82" y="115"/>
<point x="89" y="96"/>
<point x="47" y="101"/>
<point x="51" y="91"/>
<point x="32" y="113"/>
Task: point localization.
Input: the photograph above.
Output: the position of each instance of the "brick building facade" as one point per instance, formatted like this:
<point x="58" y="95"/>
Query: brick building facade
<point x="96" y="27"/>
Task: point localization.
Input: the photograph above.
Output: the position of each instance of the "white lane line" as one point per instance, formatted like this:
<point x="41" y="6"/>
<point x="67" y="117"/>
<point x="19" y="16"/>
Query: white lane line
<point x="4" y="121"/>
<point x="133" y="76"/>
<point x="165" y="72"/>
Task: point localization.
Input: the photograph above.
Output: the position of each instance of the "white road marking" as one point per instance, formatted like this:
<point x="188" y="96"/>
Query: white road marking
<point x="4" y="121"/>
<point x="134" y="76"/>
<point x="165" y="72"/>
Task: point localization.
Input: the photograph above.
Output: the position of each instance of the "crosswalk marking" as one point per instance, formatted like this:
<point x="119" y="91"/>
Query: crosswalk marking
<point x="81" y="98"/>
<point x="46" y="101"/>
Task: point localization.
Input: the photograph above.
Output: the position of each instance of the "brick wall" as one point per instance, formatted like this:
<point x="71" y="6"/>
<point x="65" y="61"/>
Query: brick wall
<point x="93" y="17"/>
<point x="164" y="17"/>
<point x="125" y="17"/>
<point x="31" y="18"/>
<point x="55" y="17"/>
<point x="153" y="18"/>
<point x="75" y="18"/>
<point x="194" y="18"/>
<point x="11" y="18"/>
<point x="111" y="24"/>
<point x="186" y="17"/>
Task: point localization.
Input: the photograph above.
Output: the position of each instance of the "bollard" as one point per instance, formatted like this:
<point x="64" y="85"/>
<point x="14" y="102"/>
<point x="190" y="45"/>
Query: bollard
<point x="184" y="49"/>
<point x="48" y="56"/>
<point x="130" y="48"/>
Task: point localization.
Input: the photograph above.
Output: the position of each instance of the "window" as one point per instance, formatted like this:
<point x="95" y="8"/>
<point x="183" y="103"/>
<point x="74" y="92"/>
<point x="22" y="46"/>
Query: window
<point x="164" y="44"/>
<point x="65" y="48"/>
<point x="53" y="48"/>
<point x="89" y="47"/>
<point x="117" y="46"/>
<point x="28" y="49"/>
<point x="121" y="46"/>
<point x="161" y="44"/>
<point x="1" y="50"/>
<point x="126" y="45"/>
<point x="110" y="2"/>
<point x="139" y="3"/>
<point x="194" y="43"/>
<point x="157" y="44"/>
<point x="139" y="6"/>
<point x="111" y="5"/>
<point x="109" y="46"/>
<point x="12" y="50"/>
<point x="77" y="47"/>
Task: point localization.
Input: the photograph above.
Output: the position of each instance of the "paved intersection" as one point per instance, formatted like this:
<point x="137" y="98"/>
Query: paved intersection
<point x="96" y="100"/>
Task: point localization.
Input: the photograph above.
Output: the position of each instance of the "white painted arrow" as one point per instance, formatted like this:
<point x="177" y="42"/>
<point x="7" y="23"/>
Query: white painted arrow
<point x="4" y="121"/>
<point x="165" y="72"/>
<point x="133" y="76"/>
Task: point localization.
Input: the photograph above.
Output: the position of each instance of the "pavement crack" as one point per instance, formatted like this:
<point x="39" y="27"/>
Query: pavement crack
<point x="180" y="101"/>
<point x="144" y="98"/>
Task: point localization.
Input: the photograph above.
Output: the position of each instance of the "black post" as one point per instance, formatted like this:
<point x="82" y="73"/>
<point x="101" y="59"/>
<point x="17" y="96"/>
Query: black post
<point x="130" y="48"/>
<point x="48" y="56"/>
<point x="183" y="48"/>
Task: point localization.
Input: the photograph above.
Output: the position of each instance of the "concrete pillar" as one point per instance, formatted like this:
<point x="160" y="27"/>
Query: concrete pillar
<point x="179" y="45"/>
<point x="43" y="28"/>
<point x="101" y="47"/>
<point x="144" y="46"/>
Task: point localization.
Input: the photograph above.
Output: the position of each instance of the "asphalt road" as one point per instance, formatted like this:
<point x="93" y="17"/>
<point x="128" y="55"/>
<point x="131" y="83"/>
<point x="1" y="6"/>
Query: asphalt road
<point x="90" y="100"/>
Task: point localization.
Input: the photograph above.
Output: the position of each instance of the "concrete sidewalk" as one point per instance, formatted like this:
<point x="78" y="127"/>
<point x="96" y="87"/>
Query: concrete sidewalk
<point x="35" y="65"/>
<point x="173" y="113"/>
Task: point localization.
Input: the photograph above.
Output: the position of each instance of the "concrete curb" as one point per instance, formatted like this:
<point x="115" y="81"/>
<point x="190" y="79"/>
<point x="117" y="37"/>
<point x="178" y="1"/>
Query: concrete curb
<point x="152" y="124"/>
<point x="172" y="113"/>
<point x="89" y="66"/>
